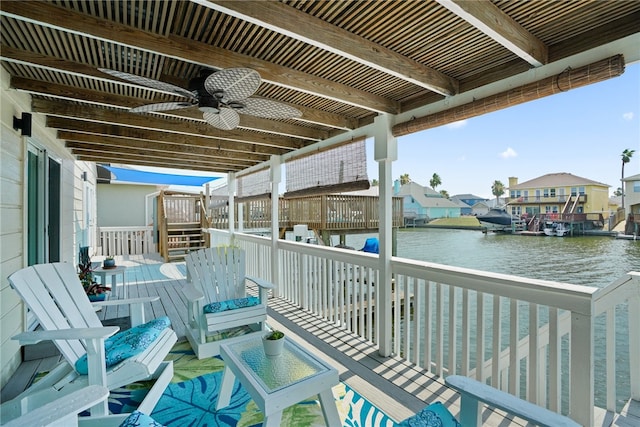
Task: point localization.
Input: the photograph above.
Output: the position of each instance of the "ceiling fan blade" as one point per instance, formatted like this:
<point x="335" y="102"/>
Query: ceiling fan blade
<point x="163" y="106"/>
<point x="226" y="119"/>
<point x="268" y="109"/>
<point x="236" y="83"/>
<point x="167" y="87"/>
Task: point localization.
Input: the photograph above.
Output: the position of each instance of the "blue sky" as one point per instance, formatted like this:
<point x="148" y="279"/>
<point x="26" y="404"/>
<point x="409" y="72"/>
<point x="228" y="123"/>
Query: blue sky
<point x="582" y="132"/>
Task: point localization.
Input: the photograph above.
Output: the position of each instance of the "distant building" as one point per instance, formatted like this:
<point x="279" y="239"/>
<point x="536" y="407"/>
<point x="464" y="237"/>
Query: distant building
<point x="632" y="194"/>
<point x="467" y="203"/>
<point x="558" y="193"/>
<point x="422" y="204"/>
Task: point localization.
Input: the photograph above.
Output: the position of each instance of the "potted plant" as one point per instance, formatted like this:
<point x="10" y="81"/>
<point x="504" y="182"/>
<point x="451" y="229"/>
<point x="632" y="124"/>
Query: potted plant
<point x="94" y="291"/>
<point x="109" y="262"/>
<point x="273" y="343"/>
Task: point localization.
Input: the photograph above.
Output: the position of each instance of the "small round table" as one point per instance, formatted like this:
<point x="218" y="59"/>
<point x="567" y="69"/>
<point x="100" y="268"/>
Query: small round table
<point x="103" y="273"/>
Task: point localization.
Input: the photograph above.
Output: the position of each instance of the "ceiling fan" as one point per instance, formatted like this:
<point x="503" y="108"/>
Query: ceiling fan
<point x="220" y="95"/>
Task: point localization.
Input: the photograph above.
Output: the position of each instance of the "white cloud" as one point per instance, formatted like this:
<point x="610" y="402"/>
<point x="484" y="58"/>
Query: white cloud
<point x="628" y="116"/>
<point x="508" y="153"/>
<point x="458" y="124"/>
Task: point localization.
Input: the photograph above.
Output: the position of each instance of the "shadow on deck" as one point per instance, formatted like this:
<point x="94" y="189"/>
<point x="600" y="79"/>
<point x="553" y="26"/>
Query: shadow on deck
<point x="396" y="386"/>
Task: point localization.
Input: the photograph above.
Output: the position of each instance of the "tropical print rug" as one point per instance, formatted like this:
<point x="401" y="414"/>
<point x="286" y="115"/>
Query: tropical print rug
<point x="191" y="397"/>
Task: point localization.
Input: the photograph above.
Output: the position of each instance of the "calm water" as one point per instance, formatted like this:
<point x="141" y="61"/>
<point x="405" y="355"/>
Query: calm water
<point x="590" y="260"/>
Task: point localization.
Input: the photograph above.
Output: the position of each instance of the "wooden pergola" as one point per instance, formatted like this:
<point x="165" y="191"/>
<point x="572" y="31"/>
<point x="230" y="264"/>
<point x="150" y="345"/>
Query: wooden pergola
<point x="341" y="63"/>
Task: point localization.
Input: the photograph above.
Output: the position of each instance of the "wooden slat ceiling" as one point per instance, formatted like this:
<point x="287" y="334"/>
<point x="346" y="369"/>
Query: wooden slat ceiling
<point x="340" y="63"/>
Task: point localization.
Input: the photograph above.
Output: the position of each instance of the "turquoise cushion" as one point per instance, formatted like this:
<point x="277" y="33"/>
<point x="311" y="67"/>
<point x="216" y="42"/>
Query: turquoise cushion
<point x="231" y="304"/>
<point x="434" y="415"/>
<point x="127" y="343"/>
<point x="138" y="419"/>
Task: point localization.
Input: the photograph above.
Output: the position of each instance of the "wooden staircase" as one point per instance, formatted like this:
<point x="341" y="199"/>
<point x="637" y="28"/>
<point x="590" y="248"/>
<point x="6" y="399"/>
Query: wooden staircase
<point x="183" y="238"/>
<point x="181" y="220"/>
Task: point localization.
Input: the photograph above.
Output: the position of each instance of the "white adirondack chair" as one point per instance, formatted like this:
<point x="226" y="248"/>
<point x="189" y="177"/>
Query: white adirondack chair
<point x="216" y="275"/>
<point x="61" y="412"/>
<point x="55" y="295"/>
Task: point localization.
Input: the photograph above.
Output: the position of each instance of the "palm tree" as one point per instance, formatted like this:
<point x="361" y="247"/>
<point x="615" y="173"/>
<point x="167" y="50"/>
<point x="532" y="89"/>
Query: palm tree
<point x="404" y="179"/>
<point x="626" y="158"/>
<point x="444" y="193"/>
<point x="497" y="189"/>
<point x="435" y="181"/>
<point x="374" y="182"/>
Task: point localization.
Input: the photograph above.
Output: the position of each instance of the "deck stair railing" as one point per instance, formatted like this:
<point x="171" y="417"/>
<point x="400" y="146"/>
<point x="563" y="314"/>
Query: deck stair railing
<point x="181" y="221"/>
<point x="555" y="344"/>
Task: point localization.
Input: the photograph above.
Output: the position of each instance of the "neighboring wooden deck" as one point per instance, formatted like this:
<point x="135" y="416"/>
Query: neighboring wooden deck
<point x="398" y="388"/>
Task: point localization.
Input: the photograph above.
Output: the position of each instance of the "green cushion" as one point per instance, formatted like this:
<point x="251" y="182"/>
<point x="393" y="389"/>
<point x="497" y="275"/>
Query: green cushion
<point x="231" y="304"/>
<point x="126" y="344"/>
<point x="434" y="415"/>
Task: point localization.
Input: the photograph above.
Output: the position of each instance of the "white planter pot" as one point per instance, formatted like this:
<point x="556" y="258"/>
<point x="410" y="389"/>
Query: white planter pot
<point x="273" y="348"/>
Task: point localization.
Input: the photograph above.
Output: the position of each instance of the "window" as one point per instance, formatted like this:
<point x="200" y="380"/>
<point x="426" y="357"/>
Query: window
<point x="582" y="191"/>
<point x="574" y="191"/>
<point x="546" y="192"/>
<point x="552" y="192"/>
<point x="636" y="186"/>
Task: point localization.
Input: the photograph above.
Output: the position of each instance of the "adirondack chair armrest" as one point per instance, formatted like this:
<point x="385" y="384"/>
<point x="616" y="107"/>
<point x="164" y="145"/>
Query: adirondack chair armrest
<point x="34" y="337"/>
<point x="260" y="282"/>
<point x="191" y="293"/>
<point x="473" y="392"/>
<point x="263" y="286"/>
<point x="136" y="307"/>
<point x="62" y="411"/>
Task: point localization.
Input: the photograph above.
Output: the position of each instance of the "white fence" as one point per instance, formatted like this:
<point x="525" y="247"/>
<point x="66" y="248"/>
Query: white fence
<point x="555" y="344"/>
<point x="126" y="241"/>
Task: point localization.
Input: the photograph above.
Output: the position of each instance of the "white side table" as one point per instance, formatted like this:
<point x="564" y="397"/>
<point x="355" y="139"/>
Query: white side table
<point x="103" y="273"/>
<point x="279" y="382"/>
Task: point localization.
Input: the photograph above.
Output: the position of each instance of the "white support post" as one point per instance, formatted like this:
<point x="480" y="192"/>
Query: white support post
<point x="385" y="153"/>
<point x="276" y="177"/>
<point x="231" y="215"/>
<point x="581" y="399"/>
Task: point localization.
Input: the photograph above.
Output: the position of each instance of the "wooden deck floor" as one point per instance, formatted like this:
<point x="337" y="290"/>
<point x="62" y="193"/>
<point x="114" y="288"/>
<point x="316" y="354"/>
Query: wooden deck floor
<point x="393" y="385"/>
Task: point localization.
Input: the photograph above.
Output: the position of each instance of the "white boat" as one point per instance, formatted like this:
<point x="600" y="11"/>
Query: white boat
<point x="556" y="229"/>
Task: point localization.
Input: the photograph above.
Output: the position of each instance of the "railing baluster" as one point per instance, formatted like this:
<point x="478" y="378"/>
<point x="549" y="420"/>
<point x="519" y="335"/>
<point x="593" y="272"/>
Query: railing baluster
<point x="497" y="337"/>
<point x="418" y="313"/>
<point x="464" y="368"/>
<point x="439" y="329"/>
<point x="610" y="336"/>
<point x="514" y="360"/>
<point x="428" y="334"/>
<point x="480" y="375"/>
<point x="533" y="380"/>
<point x="554" y="360"/>
<point x="452" y="331"/>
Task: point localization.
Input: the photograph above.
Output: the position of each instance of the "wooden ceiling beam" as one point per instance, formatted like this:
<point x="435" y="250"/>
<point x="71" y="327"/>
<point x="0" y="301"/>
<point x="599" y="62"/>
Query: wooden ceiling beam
<point x="222" y="157"/>
<point x="298" y="25"/>
<point x="184" y="49"/>
<point x="100" y="157"/>
<point x="124" y="118"/>
<point x="109" y="99"/>
<point x="95" y="128"/>
<point x="169" y="157"/>
<point x="490" y="20"/>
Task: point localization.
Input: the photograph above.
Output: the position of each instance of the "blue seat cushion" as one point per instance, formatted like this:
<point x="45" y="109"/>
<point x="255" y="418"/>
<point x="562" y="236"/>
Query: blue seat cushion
<point x="434" y="415"/>
<point x="126" y="344"/>
<point x="138" y="419"/>
<point x="231" y="304"/>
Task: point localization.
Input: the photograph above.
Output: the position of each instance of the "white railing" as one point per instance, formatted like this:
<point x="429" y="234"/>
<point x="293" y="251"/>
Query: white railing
<point x="558" y="344"/>
<point x="126" y="241"/>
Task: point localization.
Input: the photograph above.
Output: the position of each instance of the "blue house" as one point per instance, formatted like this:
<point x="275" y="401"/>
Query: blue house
<point x="466" y="202"/>
<point x="422" y="204"/>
